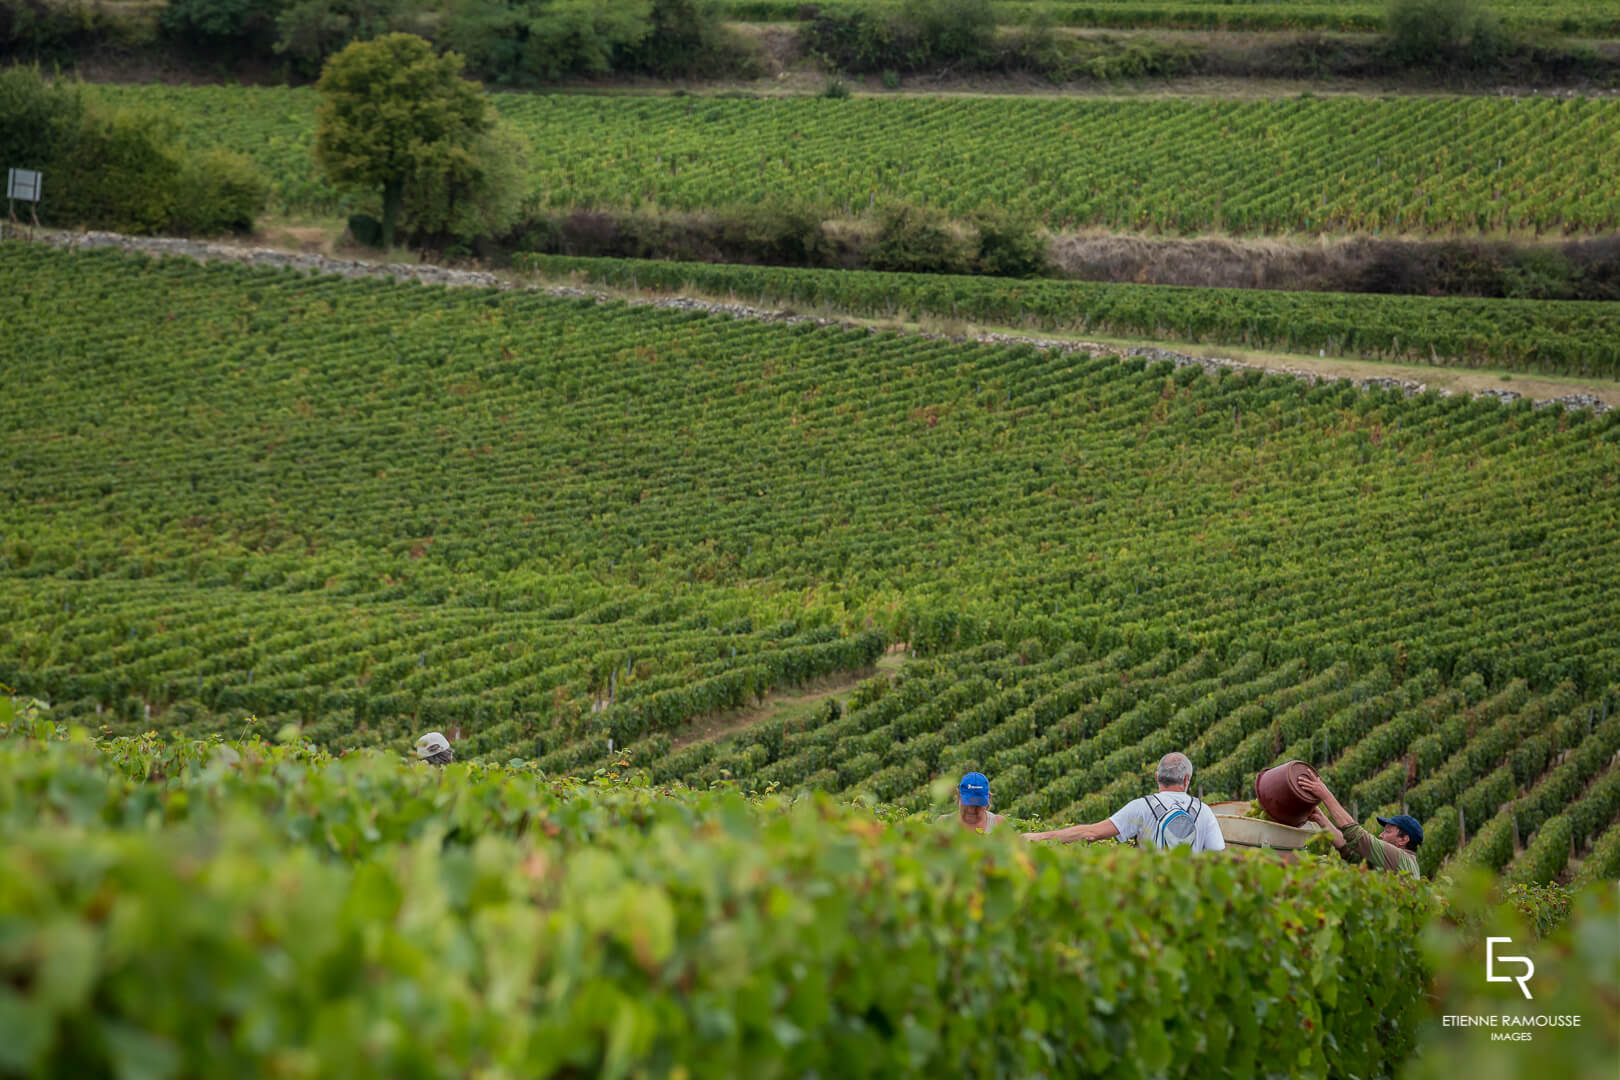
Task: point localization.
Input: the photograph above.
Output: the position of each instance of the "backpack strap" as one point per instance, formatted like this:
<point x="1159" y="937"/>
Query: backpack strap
<point x="1197" y="840"/>
<point x="1156" y="805"/>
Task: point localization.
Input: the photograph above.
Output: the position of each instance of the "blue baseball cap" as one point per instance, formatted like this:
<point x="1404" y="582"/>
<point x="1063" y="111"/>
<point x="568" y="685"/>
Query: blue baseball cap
<point x="975" y="790"/>
<point x="1407" y="824"/>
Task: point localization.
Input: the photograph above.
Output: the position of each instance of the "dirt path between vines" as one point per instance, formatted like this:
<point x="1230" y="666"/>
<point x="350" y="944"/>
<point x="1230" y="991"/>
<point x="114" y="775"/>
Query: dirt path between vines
<point x="1597" y="394"/>
<point x="794" y="701"/>
<point x="1542" y="389"/>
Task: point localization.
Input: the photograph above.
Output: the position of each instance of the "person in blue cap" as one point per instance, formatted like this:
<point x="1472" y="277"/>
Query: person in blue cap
<point x="1392" y="849"/>
<point x="973" y="805"/>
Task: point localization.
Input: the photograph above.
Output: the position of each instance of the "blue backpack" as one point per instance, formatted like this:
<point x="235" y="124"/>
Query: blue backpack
<point x="1174" y="826"/>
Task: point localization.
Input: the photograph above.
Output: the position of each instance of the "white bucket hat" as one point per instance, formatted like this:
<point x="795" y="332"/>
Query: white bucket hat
<point x="432" y="743"/>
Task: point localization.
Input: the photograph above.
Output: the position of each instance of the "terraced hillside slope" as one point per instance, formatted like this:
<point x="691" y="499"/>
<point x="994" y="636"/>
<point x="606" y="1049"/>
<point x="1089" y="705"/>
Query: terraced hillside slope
<point x="1305" y="165"/>
<point x="371" y="508"/>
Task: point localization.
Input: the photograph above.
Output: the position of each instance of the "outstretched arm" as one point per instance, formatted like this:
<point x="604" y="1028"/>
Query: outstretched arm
<point x="1315" y="789"/>
<point x="1102" y="830"/>
<point x="1373" y="850"/>
<point x="1355" y="843"/>
<point x="1332" y="830"/>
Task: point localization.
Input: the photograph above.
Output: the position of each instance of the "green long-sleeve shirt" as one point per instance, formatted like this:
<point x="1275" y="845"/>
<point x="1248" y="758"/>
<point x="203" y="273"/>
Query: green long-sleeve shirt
<point x="1361" y="846"/>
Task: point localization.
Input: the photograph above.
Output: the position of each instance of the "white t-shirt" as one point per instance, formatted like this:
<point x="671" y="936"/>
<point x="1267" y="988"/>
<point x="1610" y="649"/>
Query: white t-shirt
<point x="1135" y="819"/>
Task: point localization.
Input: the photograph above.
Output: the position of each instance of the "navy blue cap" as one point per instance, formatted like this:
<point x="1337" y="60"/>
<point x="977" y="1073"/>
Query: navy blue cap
<point x="974" y="789"/>
<point x="1407" y="824"/>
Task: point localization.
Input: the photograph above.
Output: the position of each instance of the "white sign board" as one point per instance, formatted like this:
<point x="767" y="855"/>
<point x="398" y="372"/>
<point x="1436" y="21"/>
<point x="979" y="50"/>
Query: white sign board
<point x="23" y="184"/>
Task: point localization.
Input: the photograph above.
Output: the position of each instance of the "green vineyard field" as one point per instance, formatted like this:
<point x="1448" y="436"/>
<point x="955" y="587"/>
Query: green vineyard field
<point x="1590" y="18"/>
<point x="365" y="509"/>
<point x="1307" y="165"/>
<point x="1575" y="338"/>
<point x="488" y="922"/>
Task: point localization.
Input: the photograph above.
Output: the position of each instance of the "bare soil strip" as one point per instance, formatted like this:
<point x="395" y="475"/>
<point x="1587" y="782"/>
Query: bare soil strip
<point x="717" y="727"/>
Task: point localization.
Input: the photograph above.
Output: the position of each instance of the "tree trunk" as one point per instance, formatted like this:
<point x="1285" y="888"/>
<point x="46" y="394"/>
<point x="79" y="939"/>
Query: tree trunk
<point x="393" y="192"/>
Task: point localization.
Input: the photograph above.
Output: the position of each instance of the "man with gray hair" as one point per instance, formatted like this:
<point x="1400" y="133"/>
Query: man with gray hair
<point x="1171" y="818"/>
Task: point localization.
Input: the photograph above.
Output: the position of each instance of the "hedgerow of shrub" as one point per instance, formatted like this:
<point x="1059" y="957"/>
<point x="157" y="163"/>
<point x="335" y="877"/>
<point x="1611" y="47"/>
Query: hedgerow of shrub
<point x="121" y="169"/>
<point x="268" y="904"/>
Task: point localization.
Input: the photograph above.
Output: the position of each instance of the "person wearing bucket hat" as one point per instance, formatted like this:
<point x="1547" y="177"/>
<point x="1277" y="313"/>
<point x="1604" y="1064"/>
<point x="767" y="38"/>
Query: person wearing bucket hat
<point x="434" y="749"/>
<point x="973" y="805"/>
<point x="1393" y="849"/>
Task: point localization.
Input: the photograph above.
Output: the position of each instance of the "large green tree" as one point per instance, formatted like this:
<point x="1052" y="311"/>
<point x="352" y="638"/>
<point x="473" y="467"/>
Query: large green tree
<point x="216" y="27"/>
<point x="309" y="31"/>
<point x="528" y="41"/>
<point x="393" y="112"/>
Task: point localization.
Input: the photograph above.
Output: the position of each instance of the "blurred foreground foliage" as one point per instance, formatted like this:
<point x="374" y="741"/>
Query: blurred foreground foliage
<point x="212" y="907"/>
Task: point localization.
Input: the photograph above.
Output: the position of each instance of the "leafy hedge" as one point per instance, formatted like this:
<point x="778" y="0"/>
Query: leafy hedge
<point x="1602" y="863"/>
<point x="1586" y="819"/>
<point x="1546" y="855"/>
<point x="668" y="708"/>
<point x="1482" y="749"/>
<point x="1581" y="17"/>
<point x="1492" y="846"/>
<point x="1441" y="833"/>
<point x="532" y="928"/>
<point x="119" y="168"/>
<point x="1572" y="338"/>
